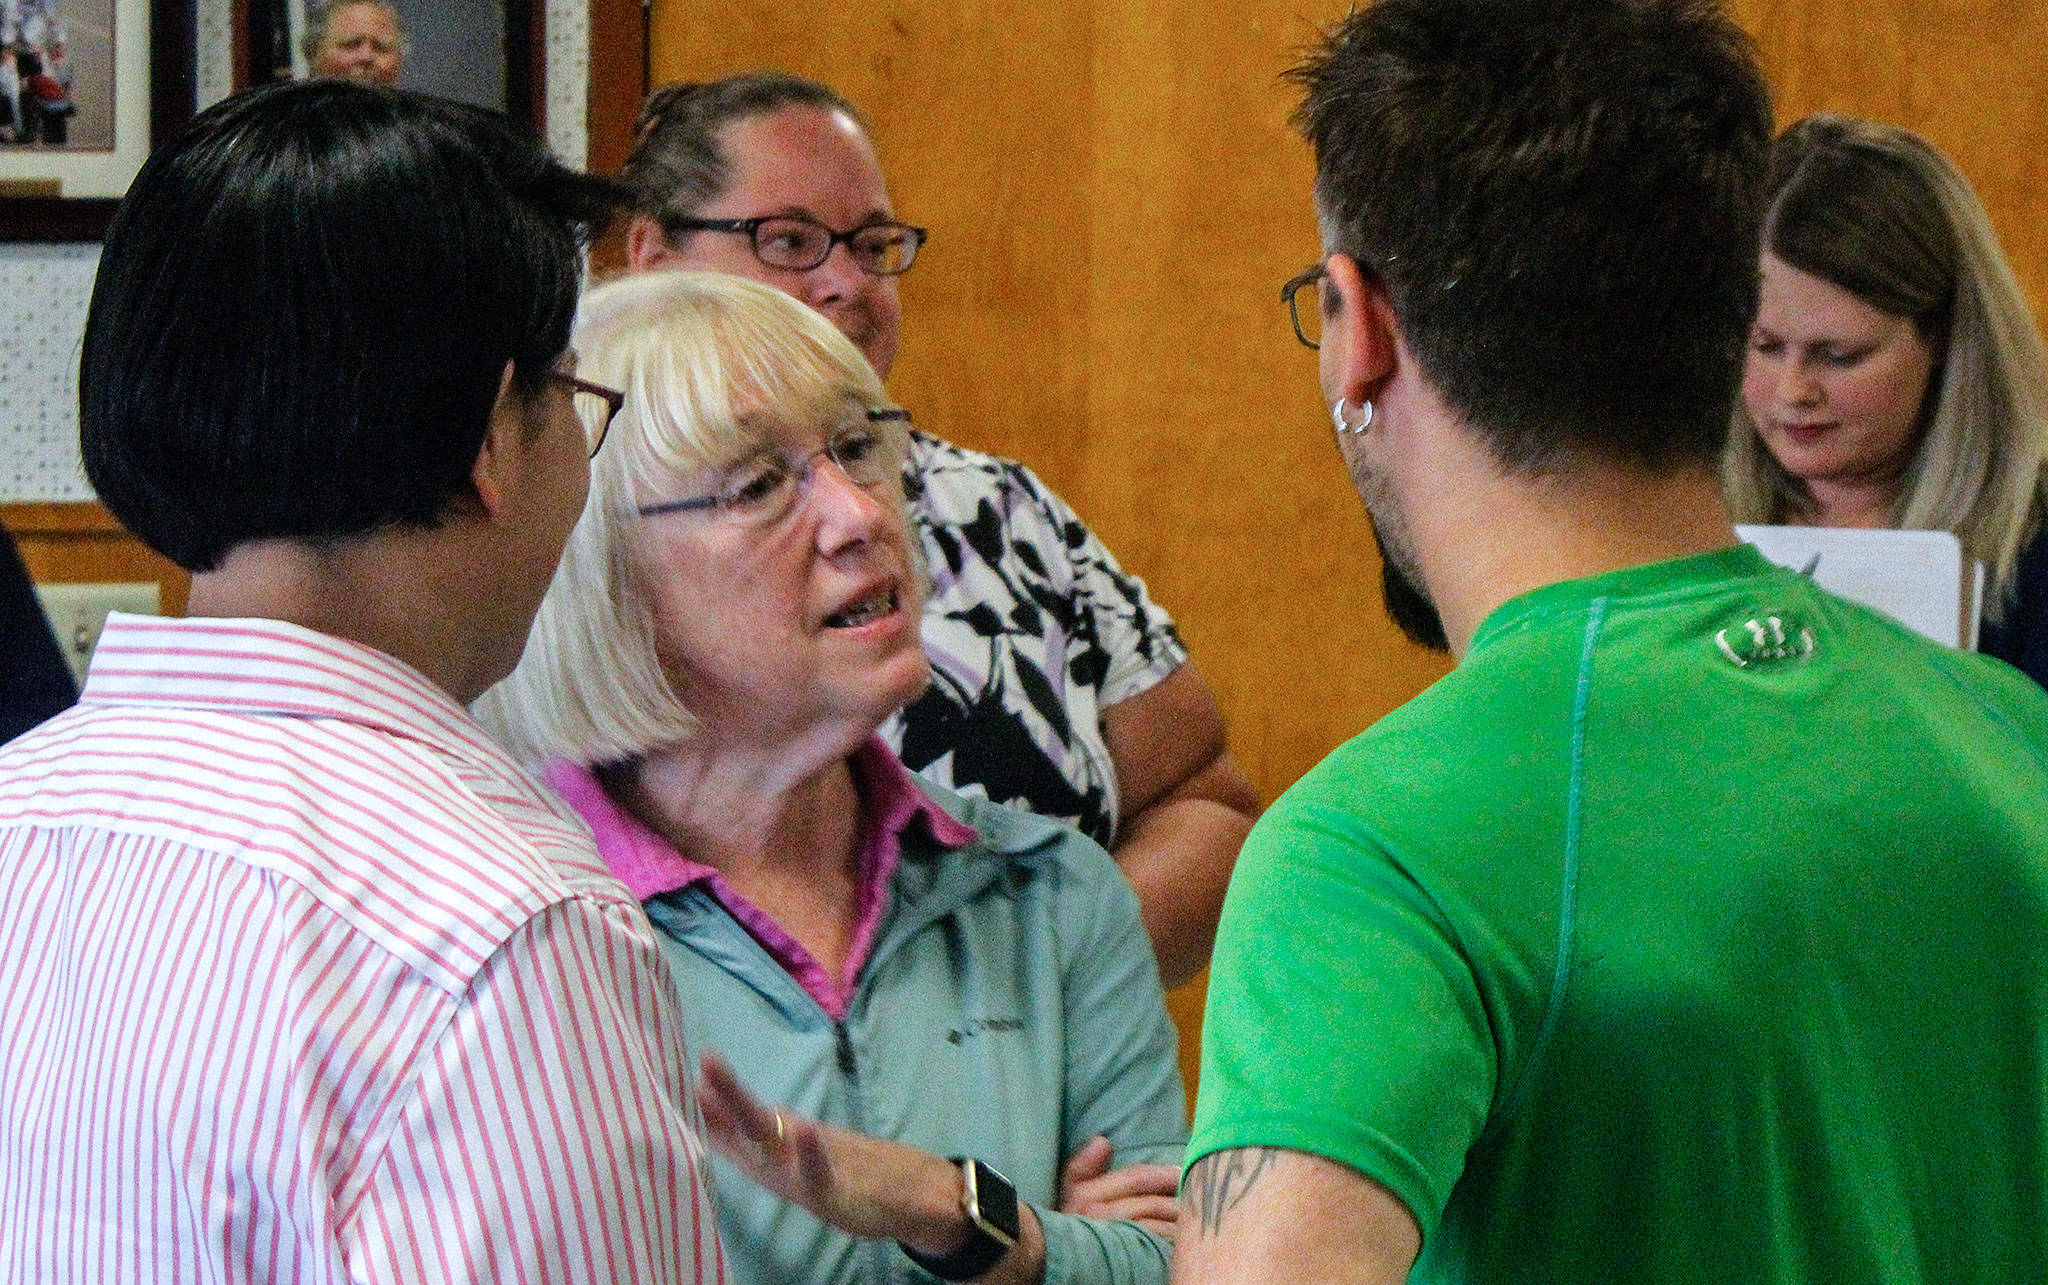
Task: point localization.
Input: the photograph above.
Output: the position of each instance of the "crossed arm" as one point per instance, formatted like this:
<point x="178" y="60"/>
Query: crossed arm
<point x="1117" y="1081"/>
<point x="875" y="1187"/>
<point x="1265" y="1214"/>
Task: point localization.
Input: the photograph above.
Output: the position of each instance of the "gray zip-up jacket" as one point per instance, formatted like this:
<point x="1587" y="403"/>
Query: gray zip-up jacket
<point x="1010" y="1010"/>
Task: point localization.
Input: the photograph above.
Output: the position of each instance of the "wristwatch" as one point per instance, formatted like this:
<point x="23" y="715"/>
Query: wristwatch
<point x="990" y="1202"/>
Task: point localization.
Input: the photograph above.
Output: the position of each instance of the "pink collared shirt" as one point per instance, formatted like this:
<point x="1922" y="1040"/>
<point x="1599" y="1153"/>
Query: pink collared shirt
<point x="301" y="979"/>
<point x="649" y="865"/>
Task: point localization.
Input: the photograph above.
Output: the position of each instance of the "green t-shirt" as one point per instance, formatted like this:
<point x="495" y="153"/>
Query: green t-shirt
<point x="1695" y="928"/>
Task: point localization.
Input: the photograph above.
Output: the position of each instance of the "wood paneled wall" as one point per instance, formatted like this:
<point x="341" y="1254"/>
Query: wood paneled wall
<point x="1114" y="197"/>
<point x="83" y="544"/>
<point x="1969" y="75"/>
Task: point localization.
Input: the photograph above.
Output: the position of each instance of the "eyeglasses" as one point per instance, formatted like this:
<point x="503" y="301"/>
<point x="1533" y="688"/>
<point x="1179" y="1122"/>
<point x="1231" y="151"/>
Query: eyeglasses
<point x="764" y="490"/>
<point x="596" y="406"/>
<point x="799" y="244"/>
<point x="1309" y="331"/>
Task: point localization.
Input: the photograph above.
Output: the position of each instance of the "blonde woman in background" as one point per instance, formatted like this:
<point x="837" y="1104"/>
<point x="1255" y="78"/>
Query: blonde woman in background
<point x="1895" y="375"/>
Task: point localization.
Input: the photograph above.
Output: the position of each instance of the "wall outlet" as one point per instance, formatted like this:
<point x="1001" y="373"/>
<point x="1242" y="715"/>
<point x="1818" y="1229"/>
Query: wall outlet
<point x="78" y="612"/>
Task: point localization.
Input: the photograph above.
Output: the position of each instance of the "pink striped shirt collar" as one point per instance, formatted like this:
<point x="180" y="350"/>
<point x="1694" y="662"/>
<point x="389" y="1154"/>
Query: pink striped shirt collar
<point x="258" y="666"/>
<point x="649" y="865"/>
<point x="443" y="900"/>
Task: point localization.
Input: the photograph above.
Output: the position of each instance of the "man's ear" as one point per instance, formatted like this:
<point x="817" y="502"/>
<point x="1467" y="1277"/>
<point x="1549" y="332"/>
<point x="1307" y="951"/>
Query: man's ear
<point x="1367" y="337"/>
<point x="496" y="472"/>
<point x="647" y="245"/>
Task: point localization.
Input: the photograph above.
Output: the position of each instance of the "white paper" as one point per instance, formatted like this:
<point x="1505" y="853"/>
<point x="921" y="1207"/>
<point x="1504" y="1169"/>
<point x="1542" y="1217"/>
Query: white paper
<point x="1916" y="577"/>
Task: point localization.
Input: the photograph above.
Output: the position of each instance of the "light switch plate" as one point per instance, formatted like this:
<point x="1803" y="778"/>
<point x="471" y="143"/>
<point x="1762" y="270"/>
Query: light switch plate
<point x="78" y="612"/>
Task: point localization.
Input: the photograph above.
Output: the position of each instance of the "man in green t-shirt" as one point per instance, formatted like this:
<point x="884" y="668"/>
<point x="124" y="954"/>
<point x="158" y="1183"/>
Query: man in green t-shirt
<point x="1695" y="927"/>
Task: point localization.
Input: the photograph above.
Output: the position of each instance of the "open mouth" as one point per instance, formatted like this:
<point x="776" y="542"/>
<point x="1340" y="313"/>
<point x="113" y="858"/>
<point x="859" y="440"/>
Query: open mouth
<point x="867" y="609"/>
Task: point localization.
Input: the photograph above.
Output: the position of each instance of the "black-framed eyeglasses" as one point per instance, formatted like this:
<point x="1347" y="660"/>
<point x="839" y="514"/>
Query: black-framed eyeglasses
<point x="798" y="244"/>
<point x="763" y="490"/>
<point x="596" y="406"/>
<point x="1310" y="330"/>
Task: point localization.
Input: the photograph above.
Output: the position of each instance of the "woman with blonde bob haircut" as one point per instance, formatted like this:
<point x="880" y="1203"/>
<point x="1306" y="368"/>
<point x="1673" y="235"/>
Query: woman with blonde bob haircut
<point x="692" y="359"/>
<point x="909" y="973"/>
<point x="1895" y="375"/>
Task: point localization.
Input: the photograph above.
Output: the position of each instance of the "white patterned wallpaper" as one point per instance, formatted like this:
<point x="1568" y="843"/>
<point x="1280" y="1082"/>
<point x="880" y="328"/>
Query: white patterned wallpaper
<point x="47" y="286"/>
<point x="39" y="369"/>
<point x="216" y="71"/>
<point x="568" y="73"/>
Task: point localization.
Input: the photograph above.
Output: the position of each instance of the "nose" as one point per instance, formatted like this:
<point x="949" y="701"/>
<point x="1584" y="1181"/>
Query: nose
<point x="1797" y="387"/>
<point x="849" y="515"/>
<point x="836" y="280"/>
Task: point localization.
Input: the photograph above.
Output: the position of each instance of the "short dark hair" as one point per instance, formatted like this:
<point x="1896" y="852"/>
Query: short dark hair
<point x="677" y="165"/>
<point x="1561" y="198"/>
<point x="304" y="308"/>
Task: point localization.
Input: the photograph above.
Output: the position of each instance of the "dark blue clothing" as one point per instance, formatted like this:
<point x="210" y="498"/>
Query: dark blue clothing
<point x="2022" y="637"/>
<point x="34" y="680"/>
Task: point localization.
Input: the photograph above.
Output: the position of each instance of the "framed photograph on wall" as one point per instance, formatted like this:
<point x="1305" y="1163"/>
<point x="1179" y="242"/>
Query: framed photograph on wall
<point x="85" y="86"/>
<point x="487" y="52"/>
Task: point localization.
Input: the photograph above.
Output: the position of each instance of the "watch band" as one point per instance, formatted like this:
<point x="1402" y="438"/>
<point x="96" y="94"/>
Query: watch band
<point x="990" y="1202"/>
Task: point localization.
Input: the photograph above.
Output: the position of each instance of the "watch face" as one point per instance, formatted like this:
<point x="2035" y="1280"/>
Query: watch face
<point x="995" y="1201"/>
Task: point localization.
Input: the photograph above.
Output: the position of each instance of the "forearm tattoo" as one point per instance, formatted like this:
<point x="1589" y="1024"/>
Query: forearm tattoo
<point x="1221" y="1180"/>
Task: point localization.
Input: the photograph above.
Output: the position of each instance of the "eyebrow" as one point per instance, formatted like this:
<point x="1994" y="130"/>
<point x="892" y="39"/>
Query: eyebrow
<point x="762" y="423"/>
<point x="869" y="219"/>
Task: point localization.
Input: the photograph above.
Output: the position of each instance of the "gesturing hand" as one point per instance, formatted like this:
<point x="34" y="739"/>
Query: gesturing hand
<point x="1143" y="1194"/>
<point x="864" y="1186"/>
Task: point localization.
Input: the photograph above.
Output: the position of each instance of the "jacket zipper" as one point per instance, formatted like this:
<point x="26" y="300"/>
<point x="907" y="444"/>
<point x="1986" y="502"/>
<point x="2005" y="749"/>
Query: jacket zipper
<point x="888" y="1262"/>
<point x="847" y="1066"/>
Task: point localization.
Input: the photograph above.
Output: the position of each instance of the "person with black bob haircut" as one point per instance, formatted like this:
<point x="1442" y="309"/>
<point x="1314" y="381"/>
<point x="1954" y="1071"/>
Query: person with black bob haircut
<point x="1689" y="929"/>
<point x="301" y="977"/>
<point x="328" y="320"/>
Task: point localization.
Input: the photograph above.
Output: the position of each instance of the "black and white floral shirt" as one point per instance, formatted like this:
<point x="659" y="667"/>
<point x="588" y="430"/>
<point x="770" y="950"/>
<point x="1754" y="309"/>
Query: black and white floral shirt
<point x="1033" y="631"/>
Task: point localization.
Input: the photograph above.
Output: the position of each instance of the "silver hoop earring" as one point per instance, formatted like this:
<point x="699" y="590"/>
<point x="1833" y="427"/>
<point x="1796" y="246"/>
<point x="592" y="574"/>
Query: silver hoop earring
<point x="1337" y="417"/>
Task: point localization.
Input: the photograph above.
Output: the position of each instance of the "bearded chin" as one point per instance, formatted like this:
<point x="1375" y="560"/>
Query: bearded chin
<point x="1407" y="603"/>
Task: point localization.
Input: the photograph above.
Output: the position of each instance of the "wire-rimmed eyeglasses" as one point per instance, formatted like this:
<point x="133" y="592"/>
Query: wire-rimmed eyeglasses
<point x="798" y="244"/>
<point x="596" y="423"/>
<point x="1309" y="331"/>
<point x="764" y="489"/>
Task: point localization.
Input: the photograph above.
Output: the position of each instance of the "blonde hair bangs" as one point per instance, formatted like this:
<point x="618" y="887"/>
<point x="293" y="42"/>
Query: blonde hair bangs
<point x="705" y="360"/>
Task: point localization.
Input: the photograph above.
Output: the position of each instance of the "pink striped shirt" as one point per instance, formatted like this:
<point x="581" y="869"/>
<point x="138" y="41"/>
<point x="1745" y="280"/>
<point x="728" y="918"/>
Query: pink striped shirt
<point x="301" y="979"/>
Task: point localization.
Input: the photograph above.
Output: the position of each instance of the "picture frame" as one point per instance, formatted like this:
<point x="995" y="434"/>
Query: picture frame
<point x="57" y="194"/>
<point x="488" y="52"/>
